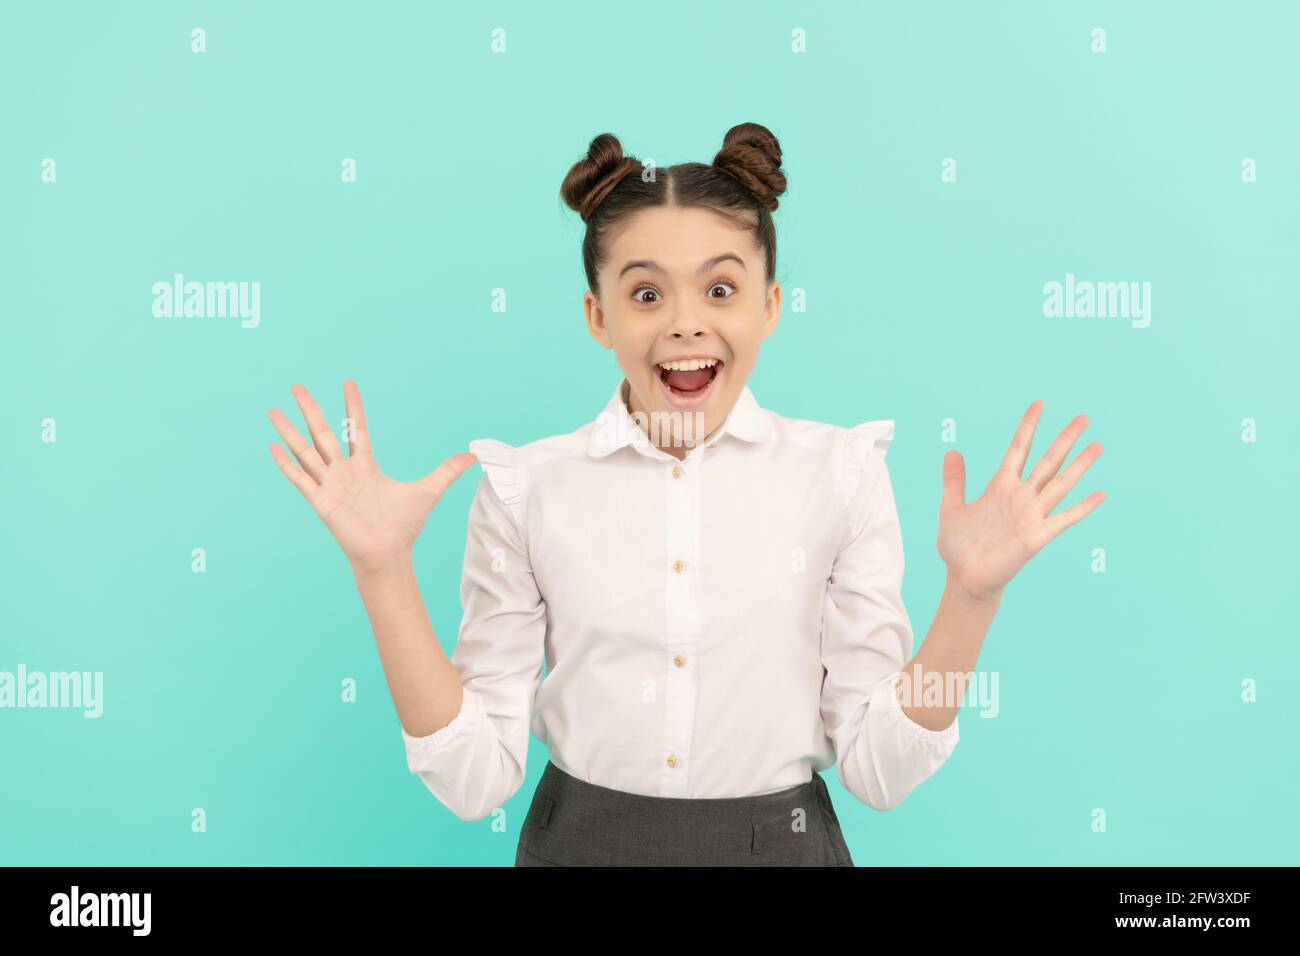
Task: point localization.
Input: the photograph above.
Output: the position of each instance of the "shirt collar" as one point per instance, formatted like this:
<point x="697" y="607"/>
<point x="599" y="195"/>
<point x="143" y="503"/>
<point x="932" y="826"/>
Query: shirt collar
<point x="615" y="427"/>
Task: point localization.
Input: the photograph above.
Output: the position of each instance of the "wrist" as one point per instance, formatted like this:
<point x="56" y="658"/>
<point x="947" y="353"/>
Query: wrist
<point x="958" y="591"/>
<point x="383" y="568"/>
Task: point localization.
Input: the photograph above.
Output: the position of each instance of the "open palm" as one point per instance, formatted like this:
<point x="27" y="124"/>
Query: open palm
<point x="986" y="542"/>
<point x="374" y="518"/>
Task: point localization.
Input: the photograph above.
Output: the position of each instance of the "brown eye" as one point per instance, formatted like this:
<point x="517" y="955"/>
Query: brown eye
<point x="645" y="288"/>
<point x="718" y="285"/>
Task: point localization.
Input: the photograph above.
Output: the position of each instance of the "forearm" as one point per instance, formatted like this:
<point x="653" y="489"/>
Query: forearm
<point x="425" y="686"/>
<point x="949" y="653"/>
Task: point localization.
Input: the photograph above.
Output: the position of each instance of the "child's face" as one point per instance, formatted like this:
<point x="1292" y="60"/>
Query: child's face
<point x="676" y="303"/>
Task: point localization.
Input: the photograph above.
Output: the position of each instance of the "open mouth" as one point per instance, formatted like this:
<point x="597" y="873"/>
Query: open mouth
<point x="689" y="381"/>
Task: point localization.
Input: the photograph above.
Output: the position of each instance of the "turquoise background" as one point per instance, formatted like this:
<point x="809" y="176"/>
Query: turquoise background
<point x="1118" y="690"/>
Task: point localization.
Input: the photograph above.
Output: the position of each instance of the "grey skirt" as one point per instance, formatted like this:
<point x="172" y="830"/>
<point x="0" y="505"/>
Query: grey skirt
<point x="574" y="823"/>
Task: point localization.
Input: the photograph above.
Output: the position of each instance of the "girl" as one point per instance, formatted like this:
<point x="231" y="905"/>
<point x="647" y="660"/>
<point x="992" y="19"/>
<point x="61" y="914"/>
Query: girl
<point x="720" y="617"/>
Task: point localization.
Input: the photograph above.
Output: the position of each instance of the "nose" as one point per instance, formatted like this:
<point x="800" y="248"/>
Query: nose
<point x="685" y="326"/>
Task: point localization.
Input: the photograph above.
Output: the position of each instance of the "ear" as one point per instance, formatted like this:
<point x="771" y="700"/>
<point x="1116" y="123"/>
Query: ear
<point x="772" y="309"/>
<point x="596" y="319"/>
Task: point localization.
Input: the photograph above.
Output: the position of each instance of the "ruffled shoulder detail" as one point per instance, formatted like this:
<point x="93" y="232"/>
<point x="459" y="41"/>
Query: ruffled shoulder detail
<point x="504" y="468"/>
<point x="858" y="445"/>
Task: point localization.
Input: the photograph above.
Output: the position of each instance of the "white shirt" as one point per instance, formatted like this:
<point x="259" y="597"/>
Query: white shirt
<point x="721" y="626"/>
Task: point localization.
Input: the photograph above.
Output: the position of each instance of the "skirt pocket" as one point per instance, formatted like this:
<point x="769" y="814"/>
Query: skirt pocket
<point x="839" y="847"/>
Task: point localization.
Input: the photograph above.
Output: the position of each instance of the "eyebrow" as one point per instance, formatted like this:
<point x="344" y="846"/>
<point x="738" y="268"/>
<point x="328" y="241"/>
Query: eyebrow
<point x="705" y="266"/>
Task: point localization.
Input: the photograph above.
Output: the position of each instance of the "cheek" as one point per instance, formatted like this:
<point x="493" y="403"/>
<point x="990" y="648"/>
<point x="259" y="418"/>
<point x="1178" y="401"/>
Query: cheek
<point x="633" y="350"/>
<point x="638" y="340"/>
<point x="743" y="330"/>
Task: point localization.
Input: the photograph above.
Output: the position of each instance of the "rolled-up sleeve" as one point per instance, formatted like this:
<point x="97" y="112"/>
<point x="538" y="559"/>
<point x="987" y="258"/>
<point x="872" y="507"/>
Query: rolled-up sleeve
<point x="476" y="762"/>
<point x="882" y="754"/>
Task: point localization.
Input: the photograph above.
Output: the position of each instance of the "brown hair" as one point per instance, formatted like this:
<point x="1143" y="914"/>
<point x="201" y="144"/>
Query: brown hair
<point x="742" y="185"/>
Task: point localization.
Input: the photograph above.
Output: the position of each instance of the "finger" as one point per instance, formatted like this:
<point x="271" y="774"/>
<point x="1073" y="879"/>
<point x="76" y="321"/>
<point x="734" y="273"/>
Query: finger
<point x="301" y="449"/>
<point x="954" y="481"/>
<point x="1059" y="522"/>
<point x="440" y="479"/>
<point x="360" y="444"/>
<point x="1056" y="489"/>
<point x="301" y="480"/>
<point x="1047" y="466"/>
<point x="326" y="444"/>
<point x="1014" y="460"/>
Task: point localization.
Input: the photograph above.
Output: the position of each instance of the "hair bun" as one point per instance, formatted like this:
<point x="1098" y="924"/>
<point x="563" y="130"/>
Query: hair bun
<point x="591" y="179"/>
<point x="752" y="155"/>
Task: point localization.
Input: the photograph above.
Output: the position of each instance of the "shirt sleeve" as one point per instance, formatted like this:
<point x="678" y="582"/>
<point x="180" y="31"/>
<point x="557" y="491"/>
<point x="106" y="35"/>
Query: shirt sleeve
<point x="476" y="762"/>
<point x="882" y="754"/>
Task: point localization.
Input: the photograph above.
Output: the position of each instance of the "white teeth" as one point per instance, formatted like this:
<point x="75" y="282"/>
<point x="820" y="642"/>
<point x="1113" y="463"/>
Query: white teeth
<point x="688" y="365"/>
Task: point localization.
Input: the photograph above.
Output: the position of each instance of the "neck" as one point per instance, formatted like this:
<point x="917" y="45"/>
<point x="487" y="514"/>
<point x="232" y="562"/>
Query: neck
<point x="666" y="434"/>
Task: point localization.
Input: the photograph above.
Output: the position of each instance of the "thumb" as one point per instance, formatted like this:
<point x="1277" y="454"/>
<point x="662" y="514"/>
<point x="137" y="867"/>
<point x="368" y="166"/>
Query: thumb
<point x="954" y="481"/>
<point x="440" y="479"/>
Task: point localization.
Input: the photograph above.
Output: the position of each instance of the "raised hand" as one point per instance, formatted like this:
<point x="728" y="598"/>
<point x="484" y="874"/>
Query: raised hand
<point x="985" y="543"/>
<point x="374" y="518"/>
